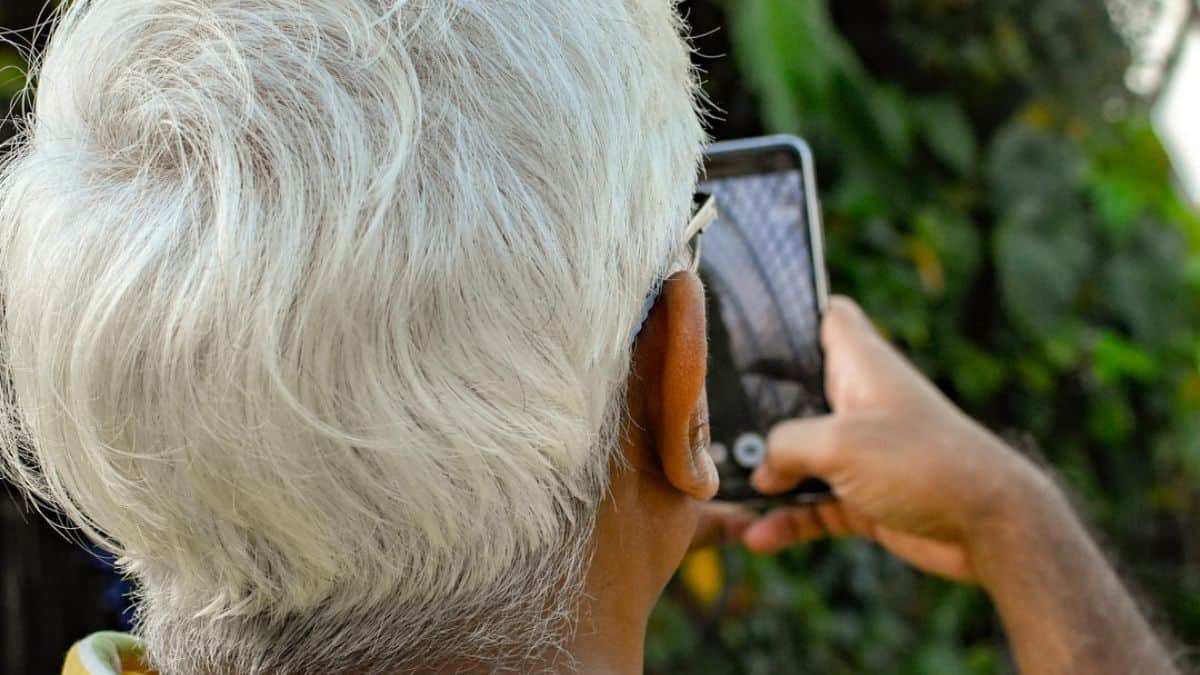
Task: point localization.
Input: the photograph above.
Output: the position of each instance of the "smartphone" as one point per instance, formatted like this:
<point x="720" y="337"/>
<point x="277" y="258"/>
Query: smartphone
<point x="763" y="269"/>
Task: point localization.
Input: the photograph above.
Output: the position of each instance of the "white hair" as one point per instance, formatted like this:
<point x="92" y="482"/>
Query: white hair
<point x="318" y="312"/>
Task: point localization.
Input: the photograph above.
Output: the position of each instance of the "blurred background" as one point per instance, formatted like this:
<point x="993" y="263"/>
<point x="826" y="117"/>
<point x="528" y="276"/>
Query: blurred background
<point x="1011" y="190"/>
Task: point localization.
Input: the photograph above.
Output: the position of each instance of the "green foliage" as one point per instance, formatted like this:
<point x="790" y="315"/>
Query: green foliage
<point x="12" y="73"/>
<point x="1029" y="253"/>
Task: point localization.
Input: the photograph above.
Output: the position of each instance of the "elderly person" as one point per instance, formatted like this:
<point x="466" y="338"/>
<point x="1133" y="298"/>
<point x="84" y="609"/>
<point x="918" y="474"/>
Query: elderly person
<point x="319" y="314"/>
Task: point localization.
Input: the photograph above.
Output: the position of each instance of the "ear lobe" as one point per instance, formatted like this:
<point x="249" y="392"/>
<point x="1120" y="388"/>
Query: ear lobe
<point x="677" y="410"/>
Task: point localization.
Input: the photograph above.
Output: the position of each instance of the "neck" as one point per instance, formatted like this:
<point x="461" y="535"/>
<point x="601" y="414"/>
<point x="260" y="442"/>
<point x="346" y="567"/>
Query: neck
<point x="611" y="632"/>
<point x="638" y="547"/>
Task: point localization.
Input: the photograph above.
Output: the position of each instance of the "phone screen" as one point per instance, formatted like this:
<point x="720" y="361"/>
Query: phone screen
<point x="764" y="277"/>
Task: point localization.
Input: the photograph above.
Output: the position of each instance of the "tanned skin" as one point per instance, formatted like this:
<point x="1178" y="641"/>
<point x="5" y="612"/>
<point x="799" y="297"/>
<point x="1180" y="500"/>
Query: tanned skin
<point x="660" y="492"/>
<point x="911" y="472"/>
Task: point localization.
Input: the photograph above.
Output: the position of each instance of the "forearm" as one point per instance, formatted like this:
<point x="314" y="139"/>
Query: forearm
<point x="1063" y="606"/>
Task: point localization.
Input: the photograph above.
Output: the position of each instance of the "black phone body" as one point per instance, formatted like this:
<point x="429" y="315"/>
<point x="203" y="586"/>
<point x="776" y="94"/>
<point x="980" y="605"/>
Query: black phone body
<point x="763" y="267"/>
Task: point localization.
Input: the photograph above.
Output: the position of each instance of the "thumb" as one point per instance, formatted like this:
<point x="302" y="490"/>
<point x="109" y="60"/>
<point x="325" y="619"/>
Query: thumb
<point x="799" y="449"/>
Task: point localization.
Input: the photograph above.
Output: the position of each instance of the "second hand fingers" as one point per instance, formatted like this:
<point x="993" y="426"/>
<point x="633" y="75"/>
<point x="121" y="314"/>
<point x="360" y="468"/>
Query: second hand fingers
<point x="833" y="518"/>
<point x="784" y="527"/>
<point x="789" y="526"/>
<point x="720" y="523"/>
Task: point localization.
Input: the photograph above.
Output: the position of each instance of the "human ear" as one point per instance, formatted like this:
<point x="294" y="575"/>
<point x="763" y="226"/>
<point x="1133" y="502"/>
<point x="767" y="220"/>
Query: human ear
<point x="671" y="362"/>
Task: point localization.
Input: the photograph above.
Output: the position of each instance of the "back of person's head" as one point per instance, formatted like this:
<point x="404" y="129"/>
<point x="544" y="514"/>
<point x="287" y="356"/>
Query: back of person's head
<point x="318" y="312"/>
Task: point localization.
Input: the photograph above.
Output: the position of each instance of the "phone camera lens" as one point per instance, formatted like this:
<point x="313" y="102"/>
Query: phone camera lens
<point x="718" y="452"/>
<point x="749" y="451"/>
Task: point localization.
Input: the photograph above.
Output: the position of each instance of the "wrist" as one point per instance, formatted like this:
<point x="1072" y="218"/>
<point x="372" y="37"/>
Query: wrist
<point x="1001" y="487"/>
<point x="1030" y="517"/>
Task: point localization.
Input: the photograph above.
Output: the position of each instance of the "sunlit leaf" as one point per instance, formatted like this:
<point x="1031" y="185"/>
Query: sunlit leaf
<point x="1115" y="358"/>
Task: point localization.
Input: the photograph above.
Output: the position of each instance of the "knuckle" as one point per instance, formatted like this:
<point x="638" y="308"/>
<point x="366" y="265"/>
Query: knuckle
<point x="841" y="433"/>
<point x="844" y="436"/>
<point x="781" y="435"/>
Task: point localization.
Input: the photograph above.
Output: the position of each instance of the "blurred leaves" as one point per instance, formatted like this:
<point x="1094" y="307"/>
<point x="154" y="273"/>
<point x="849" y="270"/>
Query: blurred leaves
<point x="1029" y="253"/>
<point x="948" y="131"/>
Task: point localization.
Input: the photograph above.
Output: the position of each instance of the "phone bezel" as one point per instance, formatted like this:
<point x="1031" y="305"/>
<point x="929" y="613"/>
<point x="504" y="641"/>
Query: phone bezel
<point x="732" y="159"/>
<point x="772" y="154"/>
